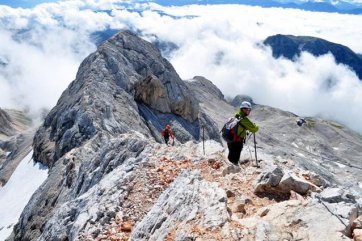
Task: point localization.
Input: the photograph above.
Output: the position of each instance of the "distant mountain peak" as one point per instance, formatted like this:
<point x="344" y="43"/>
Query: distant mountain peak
<point x="290" y="46"/>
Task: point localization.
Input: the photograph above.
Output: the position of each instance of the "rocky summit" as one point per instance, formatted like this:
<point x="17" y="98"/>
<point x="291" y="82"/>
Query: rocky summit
<point x="112" y="178"/>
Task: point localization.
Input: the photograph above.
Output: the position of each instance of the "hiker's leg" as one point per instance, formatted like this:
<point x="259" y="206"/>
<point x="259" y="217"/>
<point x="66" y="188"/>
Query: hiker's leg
<point x="166" y="140"/>
<point x="238" y="148"/>
<point x="233" y="153"/>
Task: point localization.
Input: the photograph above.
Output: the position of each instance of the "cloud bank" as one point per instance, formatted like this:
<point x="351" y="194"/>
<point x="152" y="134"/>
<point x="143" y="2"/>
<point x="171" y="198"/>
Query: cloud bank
<point x="41" y="49"/>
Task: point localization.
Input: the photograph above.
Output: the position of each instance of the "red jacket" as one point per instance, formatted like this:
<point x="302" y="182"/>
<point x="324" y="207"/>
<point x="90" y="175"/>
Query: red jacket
<point x="169" y="132"/>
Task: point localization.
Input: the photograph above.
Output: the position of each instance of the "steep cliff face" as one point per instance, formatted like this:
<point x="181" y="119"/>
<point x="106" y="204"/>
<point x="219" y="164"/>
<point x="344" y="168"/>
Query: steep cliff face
<point x="125" y="87"/>
<point x="5" y="123"/>
<point x="16" y="133"/>
<point x="126" y="75"/>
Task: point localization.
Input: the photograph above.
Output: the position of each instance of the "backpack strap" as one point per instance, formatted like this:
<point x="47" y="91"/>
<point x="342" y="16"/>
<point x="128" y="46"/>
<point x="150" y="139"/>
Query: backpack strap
<point x="235" y="130"/>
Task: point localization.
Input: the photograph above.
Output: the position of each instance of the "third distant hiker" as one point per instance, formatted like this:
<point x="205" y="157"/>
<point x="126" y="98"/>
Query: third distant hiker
<point x="244" y="124"/>
<point x="301" y="121"/>
<point x="167" y="133"/>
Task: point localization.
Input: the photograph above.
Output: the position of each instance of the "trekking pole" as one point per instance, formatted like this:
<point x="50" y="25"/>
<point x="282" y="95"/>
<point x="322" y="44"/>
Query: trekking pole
<point x="256" y="156"/>
<point x="203" y="138"/>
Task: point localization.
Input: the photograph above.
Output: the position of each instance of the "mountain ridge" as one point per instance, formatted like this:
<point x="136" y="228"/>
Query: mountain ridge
<point x="290" y="46"/>
<point x="110" y="176"/>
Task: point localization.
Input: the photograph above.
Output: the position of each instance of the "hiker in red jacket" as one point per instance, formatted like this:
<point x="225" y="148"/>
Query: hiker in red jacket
<point x="167" y="133"/>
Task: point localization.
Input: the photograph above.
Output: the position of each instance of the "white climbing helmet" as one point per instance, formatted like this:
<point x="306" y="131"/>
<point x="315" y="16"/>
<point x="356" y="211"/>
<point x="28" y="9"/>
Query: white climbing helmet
<point x="245" y="104"/>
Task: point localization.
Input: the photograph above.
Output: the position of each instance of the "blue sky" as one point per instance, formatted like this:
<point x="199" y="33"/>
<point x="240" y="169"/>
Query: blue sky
<point x="24" y="3"/>
<point x="32" y="3"/>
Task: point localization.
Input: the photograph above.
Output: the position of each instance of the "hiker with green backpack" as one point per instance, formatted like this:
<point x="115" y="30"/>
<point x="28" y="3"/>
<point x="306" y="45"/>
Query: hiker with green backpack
<point x="235" y="130"/>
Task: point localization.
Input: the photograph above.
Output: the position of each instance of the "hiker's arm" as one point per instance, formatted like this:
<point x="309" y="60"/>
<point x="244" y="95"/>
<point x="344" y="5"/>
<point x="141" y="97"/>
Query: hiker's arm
<point x="250" y="126"/>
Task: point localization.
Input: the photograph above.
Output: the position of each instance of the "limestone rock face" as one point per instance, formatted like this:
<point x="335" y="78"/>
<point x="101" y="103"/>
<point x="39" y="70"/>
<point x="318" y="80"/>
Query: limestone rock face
<point x="189" y="196"/>
<point x="205" y="90"/>
<point x="275" y="180"/>
<point x="5" y="126"/>
<point x="269" y="179"/>
<point x="83" y="189"/>
<point x="357" y="235"/>
<point x="123" y="96"/>
<point x="151" y="92"/>
<point x="16" y="134"/>
<point x="143" y="60"/>
<point x="293" y="220"/>
<point x="214" y="110"/>
<point x="238" y="99"/>
<point x="125" y="85"/>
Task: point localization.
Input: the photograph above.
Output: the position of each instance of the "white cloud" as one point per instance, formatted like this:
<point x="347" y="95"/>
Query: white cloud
<point x="220" y="42"/>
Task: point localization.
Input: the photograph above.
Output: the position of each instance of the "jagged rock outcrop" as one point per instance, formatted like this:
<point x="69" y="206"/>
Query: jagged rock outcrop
<point x="16" y="133"/>
<point x="13" y="122"/>
<point x="5" y="124"/>
<point x="79" y="193"/>
<point x="335" y="195"/>
<point x="278" y="181"/>
<point x="125" y="85"/>
<point x="152" y="92"/>
<point x="238" y="99"/>
<point x="204" y="89"/>
<point x="291" y="46"/>
<point x="189" y="196"/>
<point x="212" y="102"/>
<point x="283" y="219"/>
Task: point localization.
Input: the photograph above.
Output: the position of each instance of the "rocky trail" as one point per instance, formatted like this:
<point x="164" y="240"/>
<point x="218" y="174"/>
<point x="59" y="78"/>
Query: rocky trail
<point x="267" y="215"/>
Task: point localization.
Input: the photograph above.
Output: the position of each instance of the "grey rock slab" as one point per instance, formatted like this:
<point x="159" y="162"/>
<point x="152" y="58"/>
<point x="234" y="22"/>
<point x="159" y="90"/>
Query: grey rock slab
<point x="91" y="210"/>
<point x="5" y="124"/>
<point x="300" y="221"/>
<point x="82" y="183"/>
<point x="187" y="197"/>
<point x="269" y="179"/>
<point x="291" y="182"/>
<point x="315" y="179"/>
<point x="332" y="195"/>
<point x="16" y="139"/>
<point x="238" y="99"/>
